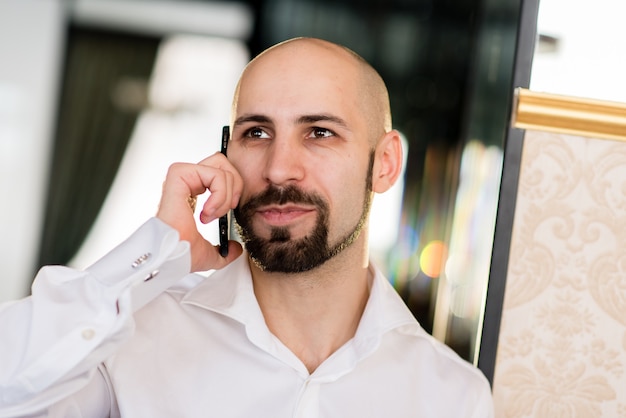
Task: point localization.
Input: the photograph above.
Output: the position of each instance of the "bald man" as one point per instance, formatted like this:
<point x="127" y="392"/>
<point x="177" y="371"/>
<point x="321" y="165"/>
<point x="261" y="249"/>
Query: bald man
<point x="299" y="324"/>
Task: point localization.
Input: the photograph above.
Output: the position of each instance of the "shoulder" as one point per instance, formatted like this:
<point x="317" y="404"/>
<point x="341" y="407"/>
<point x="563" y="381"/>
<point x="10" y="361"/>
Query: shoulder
<point x="422" y="355"/>
<point x="441" y="358"/>
<point x="442" y="369"/>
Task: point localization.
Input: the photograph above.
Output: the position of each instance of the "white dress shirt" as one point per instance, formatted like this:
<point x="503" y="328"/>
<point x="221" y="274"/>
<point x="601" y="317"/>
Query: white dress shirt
<point x="201" y="348"/>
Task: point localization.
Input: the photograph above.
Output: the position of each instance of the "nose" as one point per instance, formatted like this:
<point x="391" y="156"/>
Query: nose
<point x="284" y="162"/>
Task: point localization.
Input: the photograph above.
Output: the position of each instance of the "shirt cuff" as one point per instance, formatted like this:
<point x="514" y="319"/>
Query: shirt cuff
<point x="149" y="261"/>
<point x="77" y="319"/>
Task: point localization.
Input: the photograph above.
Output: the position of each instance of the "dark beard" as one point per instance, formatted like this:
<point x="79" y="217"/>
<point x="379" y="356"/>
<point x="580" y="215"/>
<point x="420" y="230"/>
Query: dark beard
<point x="280" y="253"/>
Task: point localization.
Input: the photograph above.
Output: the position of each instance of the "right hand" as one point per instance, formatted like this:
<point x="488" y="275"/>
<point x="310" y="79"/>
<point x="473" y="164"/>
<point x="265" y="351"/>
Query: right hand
<point x="185" y="180"/>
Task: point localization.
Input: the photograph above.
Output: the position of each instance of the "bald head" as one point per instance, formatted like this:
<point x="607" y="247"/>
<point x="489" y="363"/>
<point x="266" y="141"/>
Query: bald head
<point x="322" y="59"/>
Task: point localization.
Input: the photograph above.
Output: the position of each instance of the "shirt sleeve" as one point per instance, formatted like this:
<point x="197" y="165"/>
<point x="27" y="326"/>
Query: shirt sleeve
<point x="484" y="403"/>
<point x="54" y="340"/>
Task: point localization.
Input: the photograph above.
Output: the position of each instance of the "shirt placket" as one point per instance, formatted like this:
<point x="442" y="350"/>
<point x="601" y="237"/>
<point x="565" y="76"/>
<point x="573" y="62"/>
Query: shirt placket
<point x="309" y="399"/>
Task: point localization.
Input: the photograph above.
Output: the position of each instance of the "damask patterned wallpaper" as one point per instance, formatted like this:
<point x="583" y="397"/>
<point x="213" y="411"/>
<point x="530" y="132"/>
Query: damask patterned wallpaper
<point x="562" y="345"/>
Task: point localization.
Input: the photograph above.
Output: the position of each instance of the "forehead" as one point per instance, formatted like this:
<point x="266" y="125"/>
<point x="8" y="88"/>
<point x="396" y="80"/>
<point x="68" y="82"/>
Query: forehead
<point x="300" y="79"/>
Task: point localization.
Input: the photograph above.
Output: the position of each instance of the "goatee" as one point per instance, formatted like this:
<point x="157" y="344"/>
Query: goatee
<point x="281" y="253"/>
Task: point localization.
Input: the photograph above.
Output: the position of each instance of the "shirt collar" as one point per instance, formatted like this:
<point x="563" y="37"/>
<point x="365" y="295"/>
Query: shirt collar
<point x="230" y="292"/>
<point x="384" y="311"/>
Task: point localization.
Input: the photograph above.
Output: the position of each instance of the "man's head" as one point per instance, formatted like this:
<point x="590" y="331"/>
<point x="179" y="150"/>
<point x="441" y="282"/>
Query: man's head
<point x="312" y="139"/>
<point x="373" y="98"/>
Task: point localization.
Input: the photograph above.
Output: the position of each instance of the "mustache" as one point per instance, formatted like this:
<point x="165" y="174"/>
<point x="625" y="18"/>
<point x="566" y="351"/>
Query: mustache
<point x="280" y="196"/>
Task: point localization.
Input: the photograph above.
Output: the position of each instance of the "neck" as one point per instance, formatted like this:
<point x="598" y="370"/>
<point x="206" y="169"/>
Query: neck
<point x="316" y="312"/>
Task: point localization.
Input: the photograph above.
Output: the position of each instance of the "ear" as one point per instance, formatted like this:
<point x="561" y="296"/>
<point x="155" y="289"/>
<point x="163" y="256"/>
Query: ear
<point x="387" y="162"/>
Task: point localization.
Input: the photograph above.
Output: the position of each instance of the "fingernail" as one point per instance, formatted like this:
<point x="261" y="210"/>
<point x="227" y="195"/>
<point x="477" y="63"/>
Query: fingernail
<point x="205" y="218"/>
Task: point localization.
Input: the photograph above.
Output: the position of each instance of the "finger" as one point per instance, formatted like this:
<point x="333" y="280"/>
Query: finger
<point x="237" y="188"/>
<point x="225" y="188"/>
<point x="219" y="161"/>
<point x="186" y="181"/>
<point x="210" y="258"/>
<point x="217" y="203"/>
<point x="182" y="184"/>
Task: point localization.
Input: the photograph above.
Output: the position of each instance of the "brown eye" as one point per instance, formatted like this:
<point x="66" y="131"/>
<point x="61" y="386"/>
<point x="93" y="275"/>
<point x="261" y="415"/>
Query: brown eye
<point x="256" y="133"/>
<point x="321" y="133"/>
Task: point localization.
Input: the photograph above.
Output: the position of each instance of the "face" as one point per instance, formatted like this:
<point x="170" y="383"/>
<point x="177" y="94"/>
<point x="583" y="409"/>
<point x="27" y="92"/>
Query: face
<point x="304" y="152"/>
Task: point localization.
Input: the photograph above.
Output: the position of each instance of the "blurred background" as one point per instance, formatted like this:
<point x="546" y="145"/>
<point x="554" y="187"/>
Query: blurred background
<point x="98" y="97"/>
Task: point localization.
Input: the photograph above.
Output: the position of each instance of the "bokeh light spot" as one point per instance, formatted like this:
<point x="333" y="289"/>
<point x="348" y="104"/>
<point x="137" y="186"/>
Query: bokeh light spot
<point x="433" y="257"/>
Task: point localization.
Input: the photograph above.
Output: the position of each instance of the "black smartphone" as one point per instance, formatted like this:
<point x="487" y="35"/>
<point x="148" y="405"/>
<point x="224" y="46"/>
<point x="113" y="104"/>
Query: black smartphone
<point x="224" y="221"/>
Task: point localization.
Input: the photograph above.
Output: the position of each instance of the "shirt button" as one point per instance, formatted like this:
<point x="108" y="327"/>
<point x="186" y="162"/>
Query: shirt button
<point x="151" y="275"/>
<point x="88" y="334"/>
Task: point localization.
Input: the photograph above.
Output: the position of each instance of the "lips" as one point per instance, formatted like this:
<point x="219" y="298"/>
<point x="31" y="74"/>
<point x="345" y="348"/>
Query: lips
<point x="274" y="207"/>
<point x="282" y="215"/>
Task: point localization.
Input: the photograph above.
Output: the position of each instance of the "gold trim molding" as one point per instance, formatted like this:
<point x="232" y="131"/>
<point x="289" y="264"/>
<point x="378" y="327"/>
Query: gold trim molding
<point x="569" y="115"/>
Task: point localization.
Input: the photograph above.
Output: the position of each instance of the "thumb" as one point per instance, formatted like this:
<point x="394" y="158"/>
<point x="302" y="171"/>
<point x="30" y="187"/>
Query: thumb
<point x="211" y="259"/>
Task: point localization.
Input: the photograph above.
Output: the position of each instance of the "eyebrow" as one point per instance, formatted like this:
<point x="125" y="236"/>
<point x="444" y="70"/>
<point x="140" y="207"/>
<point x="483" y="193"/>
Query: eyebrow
<point x="302" y="120"/>
<point x="306" y="119"/>
<point x="252" y="118"/>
